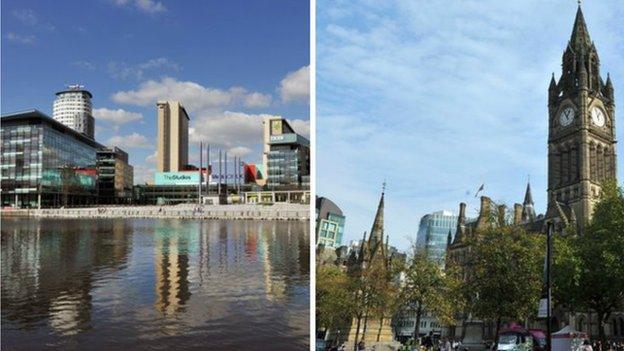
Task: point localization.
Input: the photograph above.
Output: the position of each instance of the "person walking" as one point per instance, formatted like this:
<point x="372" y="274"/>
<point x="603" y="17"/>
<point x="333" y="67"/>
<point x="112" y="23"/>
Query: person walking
<point x="361" y="346"/>
<point x="447" y="344"/>
<point x="428" y="342"/>
<point x="587" y="345"/>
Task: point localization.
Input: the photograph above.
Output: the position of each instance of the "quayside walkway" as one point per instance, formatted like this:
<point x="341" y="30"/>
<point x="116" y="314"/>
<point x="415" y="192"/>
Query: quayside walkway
<point x="191" y="211"/>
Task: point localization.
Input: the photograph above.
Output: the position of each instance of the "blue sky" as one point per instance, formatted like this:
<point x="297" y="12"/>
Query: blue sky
<point x="438" y="97"/>
<point x="229" y="62"/>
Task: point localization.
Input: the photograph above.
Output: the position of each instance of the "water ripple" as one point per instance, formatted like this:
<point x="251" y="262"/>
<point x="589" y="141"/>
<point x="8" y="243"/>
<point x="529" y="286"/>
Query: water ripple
<point x="154" y="284"/>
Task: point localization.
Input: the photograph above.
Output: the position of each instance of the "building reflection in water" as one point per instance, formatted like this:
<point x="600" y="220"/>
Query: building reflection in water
<point x="129" y="281"/>
<point x="171" y="263"/>
<point x="48" y="270"/>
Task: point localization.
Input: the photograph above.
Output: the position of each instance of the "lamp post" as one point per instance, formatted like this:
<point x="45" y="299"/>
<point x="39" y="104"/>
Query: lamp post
<point x="548" y="285"/>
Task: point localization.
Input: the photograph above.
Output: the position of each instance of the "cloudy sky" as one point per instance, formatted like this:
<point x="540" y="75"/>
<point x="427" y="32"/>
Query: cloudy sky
<point x="438" y="97"/>
<point x="229" y="62"/>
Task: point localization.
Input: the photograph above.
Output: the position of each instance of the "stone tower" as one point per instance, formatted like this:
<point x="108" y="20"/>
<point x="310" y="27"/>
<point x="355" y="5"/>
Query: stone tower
<point x="581" y="134"/>
<point x="528" y="208"/>
<point x="372" y="262"/>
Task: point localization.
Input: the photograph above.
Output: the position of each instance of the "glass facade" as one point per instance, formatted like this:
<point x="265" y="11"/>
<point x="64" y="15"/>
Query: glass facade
<point x="115" y="176"/>
<point x="283" y="165"/>
<point x="45" y="165"/>
<point x="331" y="230"/>
<point x="433" y="233"/>
<point x="330" y="223"/>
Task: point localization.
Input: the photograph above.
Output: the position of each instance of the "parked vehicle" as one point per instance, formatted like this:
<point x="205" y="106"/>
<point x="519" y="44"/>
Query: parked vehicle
<point x="515" y="340"/>
<point x="539" y="339"/>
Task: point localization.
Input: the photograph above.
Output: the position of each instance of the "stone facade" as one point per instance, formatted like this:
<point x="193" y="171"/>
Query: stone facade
<point x="374" y="254"/>
<point x="581" y="134"/>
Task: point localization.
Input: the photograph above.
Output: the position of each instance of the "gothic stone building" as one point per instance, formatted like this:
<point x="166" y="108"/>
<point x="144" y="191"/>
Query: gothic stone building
<point x="374" y="255"/>
<point x="581" y="129"/>
<point x="581" y="155"/>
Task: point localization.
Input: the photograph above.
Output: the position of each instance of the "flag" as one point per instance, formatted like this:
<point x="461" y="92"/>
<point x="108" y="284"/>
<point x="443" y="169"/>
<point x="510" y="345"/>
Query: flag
<point x="480" y="189"/>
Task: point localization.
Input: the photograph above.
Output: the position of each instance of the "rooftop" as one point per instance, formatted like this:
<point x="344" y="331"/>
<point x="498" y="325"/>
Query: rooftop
<point x="34" y="115"/>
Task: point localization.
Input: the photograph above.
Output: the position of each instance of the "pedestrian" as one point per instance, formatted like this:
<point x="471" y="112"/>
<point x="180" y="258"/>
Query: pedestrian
<point x="428" y="342"/>
<point x="447" y="344"/>
<point x="587" y="345"/>
<point x="361" y="345"/>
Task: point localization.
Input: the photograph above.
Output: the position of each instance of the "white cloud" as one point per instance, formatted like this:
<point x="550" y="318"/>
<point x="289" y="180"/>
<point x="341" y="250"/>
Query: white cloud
<point x="147" y="6"/>
<point x="116" y="117"/>
<point x="152" y="158"/>
<point x="143" y="174"/>
<point x="253" y="100"/>
<point x="30" y="18"/>
<point x="193" y="96"/>
<point x="240" y="151"/>
<point x="83" y="64"/>
<point x="123" y="70"/>
<point x="234" y="129"/>
<point x="296" y="85"/>
<point x="132" y="141"/>
<point x="26" y="16"/>
<point x="18" y="38"/>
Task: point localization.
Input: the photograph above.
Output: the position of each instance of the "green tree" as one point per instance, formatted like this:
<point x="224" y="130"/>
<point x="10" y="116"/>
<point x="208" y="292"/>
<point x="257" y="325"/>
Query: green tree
<point x="589" y="272"/>
<point x="507" y="274"/>
<point x="427" y="287"/>
<point x="334" y="299"/>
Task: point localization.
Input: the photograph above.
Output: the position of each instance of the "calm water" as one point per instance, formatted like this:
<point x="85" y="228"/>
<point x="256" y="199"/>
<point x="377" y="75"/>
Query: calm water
<point x="154" y="284"/>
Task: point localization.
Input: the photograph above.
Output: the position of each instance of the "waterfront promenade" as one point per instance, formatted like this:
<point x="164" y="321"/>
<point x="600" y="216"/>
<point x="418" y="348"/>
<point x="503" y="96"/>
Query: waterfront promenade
<point x="282" y="211"/>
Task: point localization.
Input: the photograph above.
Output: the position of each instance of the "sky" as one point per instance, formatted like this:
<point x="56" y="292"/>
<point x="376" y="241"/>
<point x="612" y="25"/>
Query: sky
<point x="438" y="97"/>
<point x="228" y="62"/>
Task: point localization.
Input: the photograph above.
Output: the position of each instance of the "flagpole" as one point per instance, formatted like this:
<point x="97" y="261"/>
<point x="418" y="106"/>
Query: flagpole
<point x="219" y="184"/>
<point x="201" y="151"/>
<point x="208" y="169"/>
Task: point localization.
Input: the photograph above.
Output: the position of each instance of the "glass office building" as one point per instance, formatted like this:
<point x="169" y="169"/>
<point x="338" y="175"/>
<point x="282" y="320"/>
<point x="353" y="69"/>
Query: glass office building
<point x="45" y="163"/>
<point x="433" y="234"/>
<point x="330" y="222"/>
<point x="286" y="155"/>
<point x="115" y="176"/>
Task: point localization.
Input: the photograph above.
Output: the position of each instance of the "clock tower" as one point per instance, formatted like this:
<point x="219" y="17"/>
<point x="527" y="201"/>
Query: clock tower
<point x="581" y="130"/>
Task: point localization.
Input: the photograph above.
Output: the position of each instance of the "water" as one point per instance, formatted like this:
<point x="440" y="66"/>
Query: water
<point x="154" y="284"/>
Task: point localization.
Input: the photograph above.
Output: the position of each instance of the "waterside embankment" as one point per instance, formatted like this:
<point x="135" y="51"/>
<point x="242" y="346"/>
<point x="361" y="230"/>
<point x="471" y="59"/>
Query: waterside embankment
<point x="281" y="211"/>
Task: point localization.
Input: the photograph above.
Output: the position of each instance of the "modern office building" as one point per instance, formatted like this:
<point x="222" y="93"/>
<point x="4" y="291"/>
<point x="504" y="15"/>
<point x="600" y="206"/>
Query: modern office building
<point x="433" y="233"/>
<point x="72" y="107"/>
<point x="286" y="154"/>
<point x="173" y="137"/>
<point x="45" y="163"/>
<point x="115" y="176"/>
<point x="330" y="222"/>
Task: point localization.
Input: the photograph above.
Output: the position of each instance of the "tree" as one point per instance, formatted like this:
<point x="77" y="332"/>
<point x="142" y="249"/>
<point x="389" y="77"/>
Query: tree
<point x="507" y="274"/>
<point x="426" y="286"/>
<point x="589" y="274"/>
<point x="334" y="299"/>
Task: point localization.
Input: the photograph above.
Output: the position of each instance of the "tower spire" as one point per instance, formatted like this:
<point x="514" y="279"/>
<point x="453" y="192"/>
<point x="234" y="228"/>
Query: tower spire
<point x="580" y="35"/>
<point x="528" y="198"/>
<point x="376" y="233"/>
<point x="528" y="209"/>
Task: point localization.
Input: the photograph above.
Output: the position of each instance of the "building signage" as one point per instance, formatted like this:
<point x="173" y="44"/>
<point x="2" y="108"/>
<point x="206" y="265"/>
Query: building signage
<point x="276" y="127"/>
<point x="283" y="139"/>
<point x="177" y="178"/>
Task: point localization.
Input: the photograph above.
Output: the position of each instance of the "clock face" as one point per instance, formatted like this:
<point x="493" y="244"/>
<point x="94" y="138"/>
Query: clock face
<point x="597" y="117"/>
<point x="566" y="116"/>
